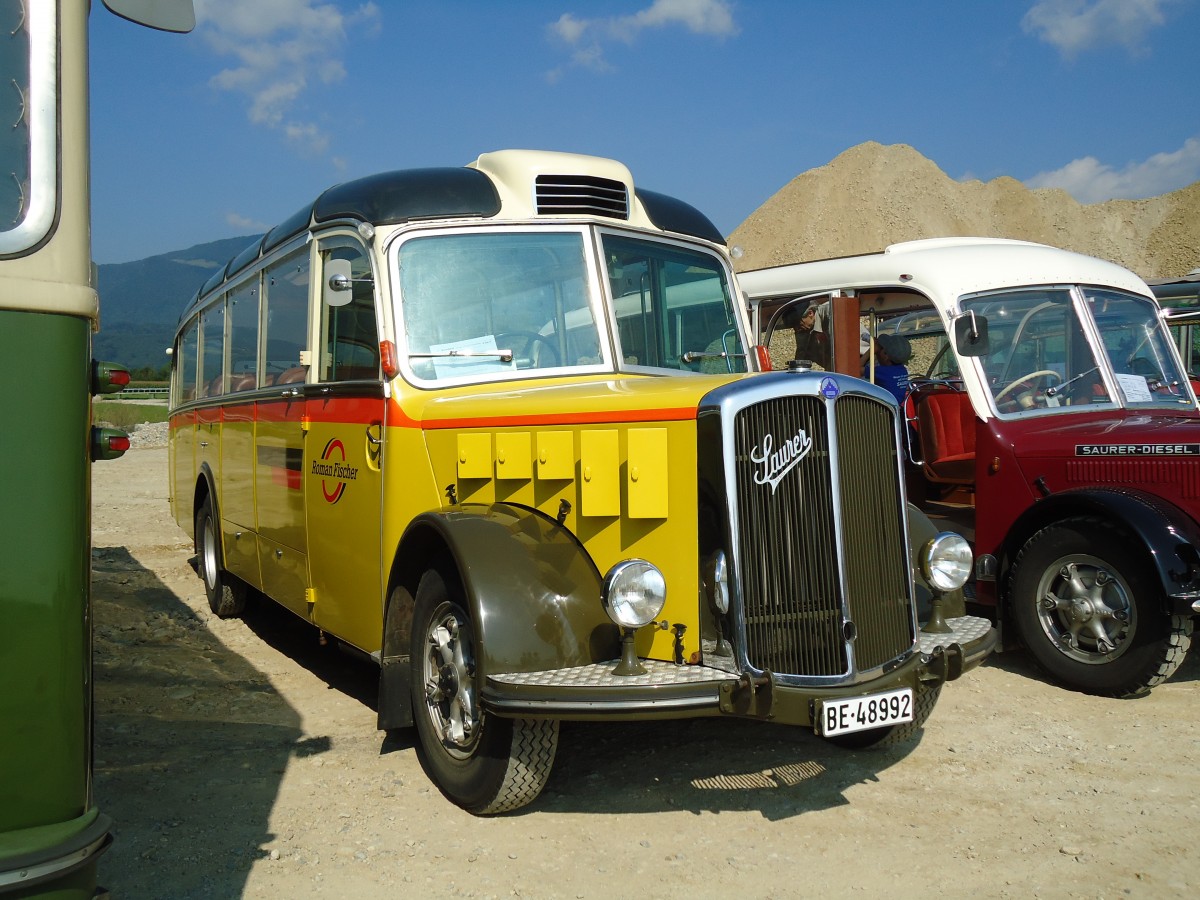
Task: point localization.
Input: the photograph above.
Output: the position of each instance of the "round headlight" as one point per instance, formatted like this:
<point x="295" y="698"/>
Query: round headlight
<point x="946" y="562"/>
<point x="634" y="593"/>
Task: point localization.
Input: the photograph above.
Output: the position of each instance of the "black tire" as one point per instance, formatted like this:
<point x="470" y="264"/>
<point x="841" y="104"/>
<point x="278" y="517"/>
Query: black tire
<point x="1089" y="610"/>
<point x="226" y="592"/>
<point x="924" y="700"/>
<point x="483" y="763"/>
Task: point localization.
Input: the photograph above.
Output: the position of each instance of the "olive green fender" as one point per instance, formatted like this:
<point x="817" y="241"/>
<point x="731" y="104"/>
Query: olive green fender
<point x="532" y="591"/>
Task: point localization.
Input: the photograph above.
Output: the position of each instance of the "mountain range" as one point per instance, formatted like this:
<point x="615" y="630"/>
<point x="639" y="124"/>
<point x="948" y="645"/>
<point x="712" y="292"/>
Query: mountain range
<point x="140" y="302"/>
<point x="866" y="198"/>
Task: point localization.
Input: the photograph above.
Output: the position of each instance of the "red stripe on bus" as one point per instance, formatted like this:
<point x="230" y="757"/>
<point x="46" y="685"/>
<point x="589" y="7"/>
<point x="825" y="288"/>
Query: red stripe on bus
<point x="613" y="417"/>
<point x="365" y="411"/>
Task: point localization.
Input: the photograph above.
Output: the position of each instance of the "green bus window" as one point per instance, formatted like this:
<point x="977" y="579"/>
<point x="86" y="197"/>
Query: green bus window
<point x="243" y="338"/>
<point x="349" y="334"/>
<point x="286" y="319"/>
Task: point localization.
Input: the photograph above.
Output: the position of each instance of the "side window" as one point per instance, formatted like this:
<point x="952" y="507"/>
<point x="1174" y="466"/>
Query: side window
<point x="243" y="337"/>
<point x="349" y="334"/>
<point x="185" y="362"/>
<point x="212" y="351"/>
<point x="286" y="288"/>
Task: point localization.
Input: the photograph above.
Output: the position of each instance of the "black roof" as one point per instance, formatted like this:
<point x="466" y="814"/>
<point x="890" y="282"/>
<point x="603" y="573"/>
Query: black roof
<point x="405" y="195"/>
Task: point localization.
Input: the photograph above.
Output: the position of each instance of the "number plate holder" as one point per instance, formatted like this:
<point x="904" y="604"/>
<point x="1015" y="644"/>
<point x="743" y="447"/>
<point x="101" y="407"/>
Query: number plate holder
<point x="834" y="717"/>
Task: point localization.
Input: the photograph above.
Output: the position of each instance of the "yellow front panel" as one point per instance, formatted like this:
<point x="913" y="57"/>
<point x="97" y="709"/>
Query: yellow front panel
<point x="556" y="455"/>
<point x="600" y="468"/>
<point x="615" y="460"/>
<point x="474" y="455"/>
<point x="514" y="457"/>
<point x="646" y="473"/>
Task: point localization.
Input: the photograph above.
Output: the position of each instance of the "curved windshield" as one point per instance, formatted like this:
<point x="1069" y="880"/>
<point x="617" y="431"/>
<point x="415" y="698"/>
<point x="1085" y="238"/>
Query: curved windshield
<point x="508" y="303"/>
<point x="673" y="307"/>
<point x="1139" y="348"/>
<point x="1040" y="355"/>
<point x="496" y="304"/>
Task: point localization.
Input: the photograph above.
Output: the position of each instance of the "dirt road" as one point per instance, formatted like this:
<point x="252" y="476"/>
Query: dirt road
<point x="240" y="759"/>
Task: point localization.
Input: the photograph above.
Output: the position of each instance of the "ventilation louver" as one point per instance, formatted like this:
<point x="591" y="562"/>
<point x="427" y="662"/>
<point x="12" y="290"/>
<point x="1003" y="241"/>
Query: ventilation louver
<point x="578" y="195"/>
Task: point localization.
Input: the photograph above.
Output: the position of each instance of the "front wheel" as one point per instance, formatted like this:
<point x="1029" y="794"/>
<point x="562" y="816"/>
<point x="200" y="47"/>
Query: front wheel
<point x="483" y="763"/>
<point x="226" y="593"/>
<point x="1088" y="610"/>
<point x="924" y="700"/>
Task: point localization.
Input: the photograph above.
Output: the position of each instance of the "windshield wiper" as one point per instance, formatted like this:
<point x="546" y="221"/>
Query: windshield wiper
<point x="503" y="355"/>
<point x="1059" y="388"/>
<point x="691" y="356"/>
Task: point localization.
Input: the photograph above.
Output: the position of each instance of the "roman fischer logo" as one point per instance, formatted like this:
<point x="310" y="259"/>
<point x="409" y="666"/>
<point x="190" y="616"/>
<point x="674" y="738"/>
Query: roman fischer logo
<point x="332" y="465"/>
<point x="774" y="464"/>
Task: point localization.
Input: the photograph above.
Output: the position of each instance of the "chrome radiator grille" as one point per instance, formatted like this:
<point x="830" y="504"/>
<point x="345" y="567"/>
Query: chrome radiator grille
<point x="799" y="496"/>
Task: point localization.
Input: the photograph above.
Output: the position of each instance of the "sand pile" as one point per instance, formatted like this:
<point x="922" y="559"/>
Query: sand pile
<point x="874" y="195"/>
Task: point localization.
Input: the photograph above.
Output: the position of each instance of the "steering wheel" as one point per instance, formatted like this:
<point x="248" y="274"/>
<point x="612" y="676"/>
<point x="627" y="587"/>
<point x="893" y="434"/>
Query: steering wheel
<point x="1032" y="376"/>
<point x="531" y="338"/>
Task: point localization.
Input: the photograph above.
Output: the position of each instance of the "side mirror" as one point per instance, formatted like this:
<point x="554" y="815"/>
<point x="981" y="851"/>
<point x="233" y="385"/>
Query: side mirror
<point x="971" y="335"/>
<point x="339" y="286"/>
<point x="165" y="15"/>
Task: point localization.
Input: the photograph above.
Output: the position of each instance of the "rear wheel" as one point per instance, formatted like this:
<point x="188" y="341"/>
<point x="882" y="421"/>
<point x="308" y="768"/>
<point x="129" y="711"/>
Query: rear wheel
<point x="1088" y="609"/>
<point x="924" y="700"/>
<point x="226" y="592"/>
<point x="483" y="763"/>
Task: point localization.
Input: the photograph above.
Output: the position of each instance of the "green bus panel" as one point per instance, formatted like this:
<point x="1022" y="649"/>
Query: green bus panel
<point x="45" y="613"/>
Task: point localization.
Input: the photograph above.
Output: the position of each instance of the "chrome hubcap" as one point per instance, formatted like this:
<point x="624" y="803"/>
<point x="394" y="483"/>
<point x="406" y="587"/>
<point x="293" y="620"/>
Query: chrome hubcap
<point x="449" y="684"/>
<point x="1086" y="609"/>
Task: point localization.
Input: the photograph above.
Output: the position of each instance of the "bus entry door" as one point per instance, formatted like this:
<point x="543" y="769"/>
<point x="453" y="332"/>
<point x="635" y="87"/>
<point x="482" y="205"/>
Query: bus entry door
<point x="343" y="492"/>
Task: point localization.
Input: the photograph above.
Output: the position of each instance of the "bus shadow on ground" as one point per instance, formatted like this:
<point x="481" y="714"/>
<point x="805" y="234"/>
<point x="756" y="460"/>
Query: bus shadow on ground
<point x="340" y="669"/>
<point x="187" y="734"/>
<point x="706" y="765"/>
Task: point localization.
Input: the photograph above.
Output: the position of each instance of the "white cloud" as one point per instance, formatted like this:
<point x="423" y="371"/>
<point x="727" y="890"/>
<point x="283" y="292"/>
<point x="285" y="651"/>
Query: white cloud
<point x="1090" y="181"/>
<point x="278" y="48"/>
<point x="587" y="38"/>
<point x="244" y="223"/>
<point x="1075" y="26"/>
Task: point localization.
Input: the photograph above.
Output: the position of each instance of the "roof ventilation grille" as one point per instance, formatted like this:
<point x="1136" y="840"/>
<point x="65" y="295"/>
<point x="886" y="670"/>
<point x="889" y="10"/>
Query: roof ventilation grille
<point x="581" y="195"/>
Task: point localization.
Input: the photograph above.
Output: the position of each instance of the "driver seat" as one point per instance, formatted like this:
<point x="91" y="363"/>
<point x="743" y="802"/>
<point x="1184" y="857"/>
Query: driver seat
<point x="946" y="423"/>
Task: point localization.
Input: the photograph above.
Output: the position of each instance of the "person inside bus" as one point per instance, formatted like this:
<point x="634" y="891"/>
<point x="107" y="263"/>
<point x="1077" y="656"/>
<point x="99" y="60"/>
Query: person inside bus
<point x="892" y="352"/>
<point x="812" y="343"/>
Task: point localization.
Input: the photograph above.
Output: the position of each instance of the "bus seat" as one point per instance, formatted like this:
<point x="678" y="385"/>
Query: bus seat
<point x="292" y="375"/>
<point x="946" y="423"/>
<point x="244" y="382"/>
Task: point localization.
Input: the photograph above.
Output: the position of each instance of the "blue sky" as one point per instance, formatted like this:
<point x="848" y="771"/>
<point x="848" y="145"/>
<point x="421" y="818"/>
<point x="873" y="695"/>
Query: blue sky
<point x="231" y="128"/>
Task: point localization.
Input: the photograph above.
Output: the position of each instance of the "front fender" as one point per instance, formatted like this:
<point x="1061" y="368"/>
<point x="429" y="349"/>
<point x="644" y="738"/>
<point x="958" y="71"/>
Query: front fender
<point x="1166" y="534"/>
<point x="532" y="590"/>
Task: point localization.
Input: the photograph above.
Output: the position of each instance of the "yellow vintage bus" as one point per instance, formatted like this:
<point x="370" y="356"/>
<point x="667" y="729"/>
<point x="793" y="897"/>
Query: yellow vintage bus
<point x="498" y="428"/>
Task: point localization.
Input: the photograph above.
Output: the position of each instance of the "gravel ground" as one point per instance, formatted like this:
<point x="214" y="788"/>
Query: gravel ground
<point x="240" y="759"/>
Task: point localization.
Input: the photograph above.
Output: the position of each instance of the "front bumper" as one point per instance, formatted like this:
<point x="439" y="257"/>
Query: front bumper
<point x="668" y="691"/>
